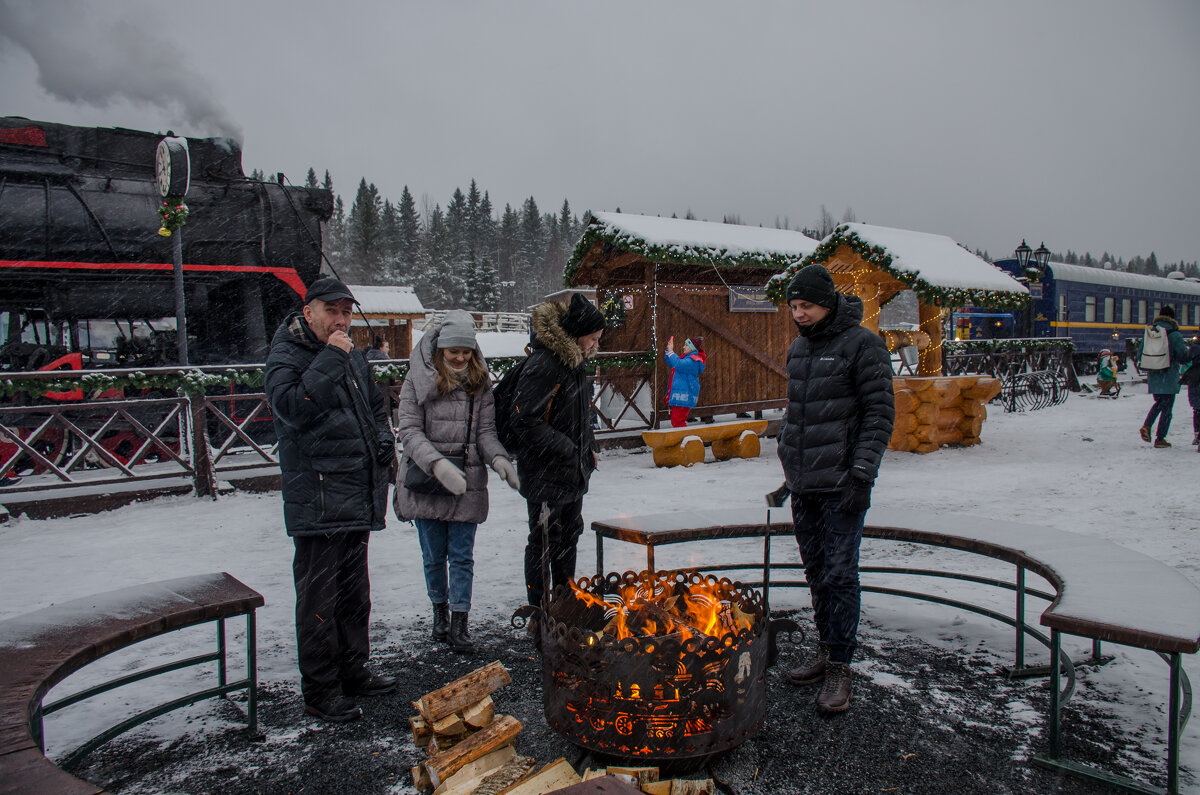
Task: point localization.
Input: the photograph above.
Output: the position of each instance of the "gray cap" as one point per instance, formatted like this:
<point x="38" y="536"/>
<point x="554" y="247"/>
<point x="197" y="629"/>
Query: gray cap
<point x="457" y="330"/>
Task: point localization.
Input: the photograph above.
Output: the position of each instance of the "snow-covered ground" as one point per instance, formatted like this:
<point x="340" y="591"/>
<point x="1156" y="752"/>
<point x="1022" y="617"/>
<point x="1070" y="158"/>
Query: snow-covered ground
<point x="1079" y="467"/>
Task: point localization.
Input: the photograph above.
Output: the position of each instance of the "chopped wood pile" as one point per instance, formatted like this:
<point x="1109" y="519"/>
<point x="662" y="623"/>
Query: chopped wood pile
<point x="472" y="751"/>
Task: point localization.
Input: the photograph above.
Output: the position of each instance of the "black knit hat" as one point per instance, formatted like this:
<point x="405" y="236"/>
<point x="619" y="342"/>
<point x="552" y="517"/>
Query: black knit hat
<point x="813" y="283"/>
<point x="582" y="317"/>
<point x="1167" y="311"/>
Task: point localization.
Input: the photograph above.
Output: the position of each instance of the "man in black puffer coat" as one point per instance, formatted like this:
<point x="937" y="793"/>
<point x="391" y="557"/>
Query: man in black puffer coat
<point x="552" y="416"/>
<point x="839" y="420"/>
<point x="335" y="451"/>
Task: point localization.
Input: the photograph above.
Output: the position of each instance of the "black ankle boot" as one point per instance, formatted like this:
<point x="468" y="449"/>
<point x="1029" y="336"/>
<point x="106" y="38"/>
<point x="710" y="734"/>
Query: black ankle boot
<point x="460" y="640"/>
<point x="441" y="622"/>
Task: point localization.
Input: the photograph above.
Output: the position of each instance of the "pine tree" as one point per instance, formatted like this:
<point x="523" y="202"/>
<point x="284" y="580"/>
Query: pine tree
<point x="403" y="267"/>
<point x="310" y="181"/>
<point x="508" y="246"/>
<point x="363" y="235"/>
<point x="483" y="292"/>
<point x="335" y="235"/>
<point x="389" y="240"/>
<point x="530" y="281"/>
<point x="328" y="185"/>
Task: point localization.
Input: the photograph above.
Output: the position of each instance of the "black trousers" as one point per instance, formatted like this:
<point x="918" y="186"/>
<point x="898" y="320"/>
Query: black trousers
<point x="333" y="608"/>
<point x="564" y="525"/>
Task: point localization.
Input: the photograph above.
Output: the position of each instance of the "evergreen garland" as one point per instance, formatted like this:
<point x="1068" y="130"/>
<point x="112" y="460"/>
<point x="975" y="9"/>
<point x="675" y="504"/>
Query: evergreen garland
<point x="1008" y="345"/>
<point x="613" y="309"/>
<point x="878" y="256"/>
<point x="669" y="254"/>
<point x="173" y="213"/>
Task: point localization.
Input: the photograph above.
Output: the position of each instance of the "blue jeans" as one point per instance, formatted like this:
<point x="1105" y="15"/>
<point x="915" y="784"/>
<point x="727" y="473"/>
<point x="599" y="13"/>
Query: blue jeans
<point x="1164" y="406"/>
<point x="448" y="545"/>
<point x="829" y="539"/>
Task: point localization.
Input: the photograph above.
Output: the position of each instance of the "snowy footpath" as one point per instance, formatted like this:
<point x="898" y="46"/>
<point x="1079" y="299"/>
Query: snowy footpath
<point x="1079" y="467"/>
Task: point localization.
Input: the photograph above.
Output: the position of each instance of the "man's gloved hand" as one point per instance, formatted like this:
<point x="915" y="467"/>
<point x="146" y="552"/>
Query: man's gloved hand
<point x="451" y="477"/>
<point x="856" y="496"/>
<point x="507" y="472"/>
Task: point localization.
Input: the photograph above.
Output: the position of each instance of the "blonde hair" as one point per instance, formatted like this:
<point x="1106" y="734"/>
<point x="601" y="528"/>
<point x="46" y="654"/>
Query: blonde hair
<point x="471" y="381"/>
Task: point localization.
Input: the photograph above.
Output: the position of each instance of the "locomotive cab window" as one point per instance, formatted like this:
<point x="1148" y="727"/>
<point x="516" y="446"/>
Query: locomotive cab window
<point x="1089" y="309"/>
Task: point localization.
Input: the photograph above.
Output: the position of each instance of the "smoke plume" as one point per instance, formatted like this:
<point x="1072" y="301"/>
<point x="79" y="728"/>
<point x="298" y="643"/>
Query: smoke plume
<point x="91" y="53"/>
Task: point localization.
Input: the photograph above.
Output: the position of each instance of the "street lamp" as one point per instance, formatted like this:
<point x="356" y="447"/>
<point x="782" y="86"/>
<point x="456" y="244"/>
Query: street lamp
<point x="1023" y="251"/>
<point x="1041" y="256"/>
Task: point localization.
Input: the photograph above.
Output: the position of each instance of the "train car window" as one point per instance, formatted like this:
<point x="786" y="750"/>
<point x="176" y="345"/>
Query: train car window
<point x="1183" y="314"/>
<point x="1157" y="307"/>
<point x="1126" y="310"/>
<point x="1109" y="307"/>
<point x="1062" y="307"/>
<point x="1142" y="311"/>
<point x="1089" y="309"/>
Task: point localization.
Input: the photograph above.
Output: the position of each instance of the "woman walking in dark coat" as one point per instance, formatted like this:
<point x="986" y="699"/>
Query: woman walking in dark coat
<point x="446" y="406"/>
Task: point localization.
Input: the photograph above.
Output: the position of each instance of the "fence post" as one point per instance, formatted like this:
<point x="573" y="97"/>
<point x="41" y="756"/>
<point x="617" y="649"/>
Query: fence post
<point x="202" y="469"/>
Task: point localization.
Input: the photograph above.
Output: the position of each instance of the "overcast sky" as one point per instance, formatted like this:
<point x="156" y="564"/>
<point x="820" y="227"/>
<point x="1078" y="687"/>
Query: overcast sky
<point x="1076" y="122"/>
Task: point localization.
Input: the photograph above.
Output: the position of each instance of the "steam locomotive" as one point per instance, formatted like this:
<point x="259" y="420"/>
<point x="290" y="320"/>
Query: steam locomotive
<point x="85" y="275"/>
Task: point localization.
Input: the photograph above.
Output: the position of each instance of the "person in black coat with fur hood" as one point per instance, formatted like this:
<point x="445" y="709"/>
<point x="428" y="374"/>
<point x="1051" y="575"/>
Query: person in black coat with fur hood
<point x="335" y="452"/>
<point x="839" y="420"/>
<point x="557" y="450"/>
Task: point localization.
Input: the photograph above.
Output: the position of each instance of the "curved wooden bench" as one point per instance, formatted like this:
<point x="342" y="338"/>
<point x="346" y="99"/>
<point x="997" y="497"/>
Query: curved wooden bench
<point x="685" y="446"/>
<point x="40" y="649"/>
<point x="1101" y="591"/>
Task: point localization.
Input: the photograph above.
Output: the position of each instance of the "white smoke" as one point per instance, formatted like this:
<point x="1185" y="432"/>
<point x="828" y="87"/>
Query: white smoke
<point x="89" y="53"/>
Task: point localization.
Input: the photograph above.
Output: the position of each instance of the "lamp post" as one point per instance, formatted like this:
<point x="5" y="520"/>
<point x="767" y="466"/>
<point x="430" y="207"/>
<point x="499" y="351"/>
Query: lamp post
<point x="172" y="166"/>
<point x="506" y="285"/>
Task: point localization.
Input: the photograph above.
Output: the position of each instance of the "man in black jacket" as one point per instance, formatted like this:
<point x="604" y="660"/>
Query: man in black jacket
<point x="552" y="419"/>
<point x="335" y="450"/>
<point x="839" y="420"/>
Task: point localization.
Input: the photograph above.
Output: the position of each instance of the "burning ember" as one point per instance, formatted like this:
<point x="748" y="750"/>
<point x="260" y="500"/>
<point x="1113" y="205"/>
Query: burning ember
<point x="667" y="666"/>
<point x="645" y="609"/>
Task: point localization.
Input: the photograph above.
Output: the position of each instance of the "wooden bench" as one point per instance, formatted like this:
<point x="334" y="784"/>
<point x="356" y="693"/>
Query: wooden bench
<point x="40" y="649"/>
<point x="685" y="446"/>
<point x="1101" y="591"/>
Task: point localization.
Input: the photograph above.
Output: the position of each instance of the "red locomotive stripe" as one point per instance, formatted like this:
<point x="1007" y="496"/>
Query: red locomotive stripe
<point x="286" y="275"/>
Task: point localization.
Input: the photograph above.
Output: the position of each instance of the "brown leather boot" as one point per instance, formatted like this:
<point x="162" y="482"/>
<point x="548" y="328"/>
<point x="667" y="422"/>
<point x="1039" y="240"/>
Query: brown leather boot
<point x="835" y="693"/>
<point x="813" y="669"/>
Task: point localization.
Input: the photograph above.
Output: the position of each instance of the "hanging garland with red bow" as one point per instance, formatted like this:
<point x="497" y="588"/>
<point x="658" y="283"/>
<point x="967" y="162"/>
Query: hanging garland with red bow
<point x="174" y="214"/>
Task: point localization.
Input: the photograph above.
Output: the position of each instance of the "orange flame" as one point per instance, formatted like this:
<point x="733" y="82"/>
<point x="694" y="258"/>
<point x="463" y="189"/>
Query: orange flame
<point x="639" y="610"/>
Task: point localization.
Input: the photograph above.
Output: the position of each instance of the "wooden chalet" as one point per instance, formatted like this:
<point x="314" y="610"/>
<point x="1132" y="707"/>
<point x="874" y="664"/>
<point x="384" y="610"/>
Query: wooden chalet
<point x="390" y="311"/>
<point x="661" y="277"/>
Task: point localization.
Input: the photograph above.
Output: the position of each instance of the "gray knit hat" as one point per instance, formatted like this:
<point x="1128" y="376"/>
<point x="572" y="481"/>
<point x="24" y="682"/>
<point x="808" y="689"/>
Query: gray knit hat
<point x="457" y="330"/>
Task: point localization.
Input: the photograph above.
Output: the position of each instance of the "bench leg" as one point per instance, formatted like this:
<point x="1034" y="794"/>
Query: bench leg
<point x="221" y="678"/>
<point x="599" y="554"/>
<point x="252" y="677"/>
<point x="1174" y="727"/>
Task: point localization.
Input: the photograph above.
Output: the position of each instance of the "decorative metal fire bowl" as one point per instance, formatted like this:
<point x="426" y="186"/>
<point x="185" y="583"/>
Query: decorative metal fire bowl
<point x="664" y="667"/>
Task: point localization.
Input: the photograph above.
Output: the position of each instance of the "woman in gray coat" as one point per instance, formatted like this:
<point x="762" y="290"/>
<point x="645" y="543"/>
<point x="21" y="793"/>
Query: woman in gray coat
<point x="445" y="404"/>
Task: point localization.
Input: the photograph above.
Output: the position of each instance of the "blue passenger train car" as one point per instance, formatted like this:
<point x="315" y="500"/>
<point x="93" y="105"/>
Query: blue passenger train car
<point x="1099" y="308"/>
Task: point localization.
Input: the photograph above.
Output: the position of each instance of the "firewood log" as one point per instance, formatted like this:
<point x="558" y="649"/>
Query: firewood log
<point x="462" y="692"/>
<point x="495" y="735"/>
<point x="658" y="787"/>
<point x="420" y="731"/>
<point x="471" y="774"/>
<point x="450" y="726"/>
<point x="515" y="771"/>
<point x="687" y="786"/>
<point x="479" y="714"/>
<point x="421" y="778"/>
<point x="556" y="775"/>
<point x="640" y="775"/>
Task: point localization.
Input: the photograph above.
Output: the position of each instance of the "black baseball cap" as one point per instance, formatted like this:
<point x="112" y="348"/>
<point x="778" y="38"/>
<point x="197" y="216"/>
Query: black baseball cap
<point x="327" y="288"/>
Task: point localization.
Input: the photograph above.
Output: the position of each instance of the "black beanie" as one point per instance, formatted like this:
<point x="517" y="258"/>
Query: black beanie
<point x="813" y="283"/>
<point x="582" y="317"/>
<point x="1167" y="311"/>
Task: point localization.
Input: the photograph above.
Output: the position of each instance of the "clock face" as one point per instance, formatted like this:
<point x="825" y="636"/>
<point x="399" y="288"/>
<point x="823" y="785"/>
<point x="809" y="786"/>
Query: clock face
<point x="162" y="168"/>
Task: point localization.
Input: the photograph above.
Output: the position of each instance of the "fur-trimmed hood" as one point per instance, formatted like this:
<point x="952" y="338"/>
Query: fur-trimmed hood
<point x="546" y="329"/>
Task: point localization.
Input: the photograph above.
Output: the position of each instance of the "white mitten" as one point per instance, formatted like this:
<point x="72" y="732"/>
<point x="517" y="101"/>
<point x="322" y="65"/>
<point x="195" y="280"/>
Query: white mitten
<point x="450" y="476"/>
<point x="507" y="472"/>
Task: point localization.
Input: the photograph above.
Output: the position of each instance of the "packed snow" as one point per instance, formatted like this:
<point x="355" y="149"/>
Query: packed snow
<point x="1079" y="467"/>
<point x="729" y="239"/>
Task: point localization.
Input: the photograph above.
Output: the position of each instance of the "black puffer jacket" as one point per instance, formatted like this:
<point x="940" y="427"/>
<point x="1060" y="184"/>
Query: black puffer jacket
<point x="555" y="458"/>
<point x="840" y="408"/>
<point x="334" y="439"/>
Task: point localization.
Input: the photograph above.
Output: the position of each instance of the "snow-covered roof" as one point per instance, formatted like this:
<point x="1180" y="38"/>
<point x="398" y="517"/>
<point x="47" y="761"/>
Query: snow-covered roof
<point x="390" y="299"/>
<point x="938" y="269"/>
<point x="1135" y="281"/>
<point x="678" y="240"/>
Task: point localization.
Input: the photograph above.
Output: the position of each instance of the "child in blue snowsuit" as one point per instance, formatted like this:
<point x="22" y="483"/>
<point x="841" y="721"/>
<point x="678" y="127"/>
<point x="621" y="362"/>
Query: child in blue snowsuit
<point x="683" y="388"/>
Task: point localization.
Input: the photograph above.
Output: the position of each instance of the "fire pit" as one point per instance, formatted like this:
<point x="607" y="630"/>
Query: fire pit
<point x="659" y="668"/>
